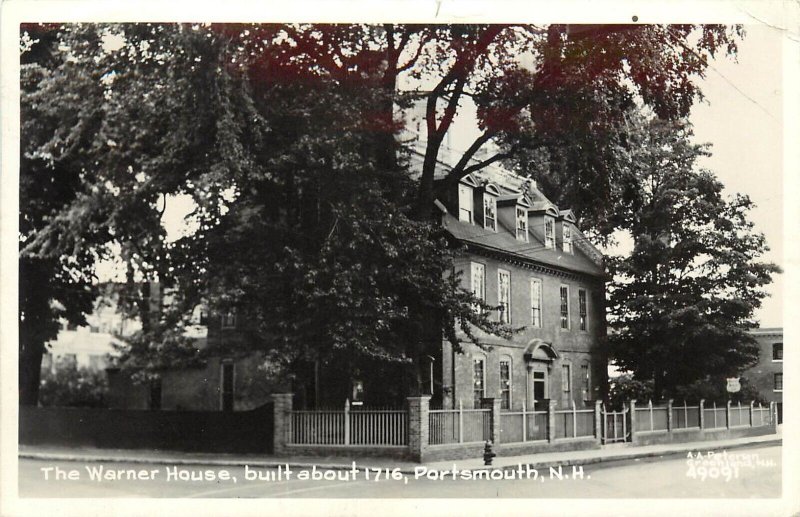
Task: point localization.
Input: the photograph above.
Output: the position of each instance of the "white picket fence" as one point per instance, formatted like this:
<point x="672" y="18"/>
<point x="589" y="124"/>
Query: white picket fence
<point x="349" y="426"/>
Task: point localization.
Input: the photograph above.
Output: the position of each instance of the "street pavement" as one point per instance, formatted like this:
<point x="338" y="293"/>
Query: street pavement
<point x="750" y="472"/>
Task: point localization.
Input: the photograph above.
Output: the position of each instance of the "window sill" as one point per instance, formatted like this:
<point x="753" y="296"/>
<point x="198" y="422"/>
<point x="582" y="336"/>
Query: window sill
<point x="778" y="391"/>
<point x="777" y="360"/>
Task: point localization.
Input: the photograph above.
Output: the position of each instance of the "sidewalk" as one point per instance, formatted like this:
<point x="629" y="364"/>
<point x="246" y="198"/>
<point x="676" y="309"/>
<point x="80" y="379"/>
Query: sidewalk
<point x="541" y="460"/>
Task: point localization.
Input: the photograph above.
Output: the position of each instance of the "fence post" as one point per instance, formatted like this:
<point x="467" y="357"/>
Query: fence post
<point x="551" y="421"/>
<point x="597" y="417"/>
<point x="494" y="405"/>
<point x="650" y="407"/>
<point x="752" y="404"/>
<point x="669" y="416"/>
<point x="773" y="416"/>
<point x="347" y="422"/>
<point x="633" y="420"/>
<point x="418" y="426"/>
<point x="460" y="422"/>
<point x="525" y="423"/>
<point x="702" y="414"/>
<point x="728" y="414"/>
<point x="282" y="422"/>
<point x="574" y="420"/>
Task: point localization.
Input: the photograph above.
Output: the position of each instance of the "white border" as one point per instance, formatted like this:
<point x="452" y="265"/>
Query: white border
<point x="779" y="14"/>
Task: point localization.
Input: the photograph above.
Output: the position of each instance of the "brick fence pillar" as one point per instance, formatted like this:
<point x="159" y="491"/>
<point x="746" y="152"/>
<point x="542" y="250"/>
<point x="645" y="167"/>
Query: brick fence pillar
<point x="551" y="421"/>
<point x="282" y="422"/>
<point x="418" y="408"/>
<point x="598" y="416"/>
<point x="702" y="420"/>
<point x="494" y="430"/>
<point x="633" y="420"/>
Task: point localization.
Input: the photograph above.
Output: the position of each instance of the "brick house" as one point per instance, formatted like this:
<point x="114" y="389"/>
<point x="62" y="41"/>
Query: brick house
<point x="767" y="374"/>
<point x="526" y="256"/>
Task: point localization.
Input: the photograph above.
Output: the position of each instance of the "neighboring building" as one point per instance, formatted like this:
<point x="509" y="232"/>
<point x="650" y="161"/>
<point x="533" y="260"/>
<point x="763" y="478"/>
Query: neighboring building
<point x="767" y="374"/>
<point x="91" y="346"/>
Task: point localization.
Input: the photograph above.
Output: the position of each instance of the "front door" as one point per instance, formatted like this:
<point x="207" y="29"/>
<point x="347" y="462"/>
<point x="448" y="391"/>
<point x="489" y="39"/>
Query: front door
<point x="539" y="389"/>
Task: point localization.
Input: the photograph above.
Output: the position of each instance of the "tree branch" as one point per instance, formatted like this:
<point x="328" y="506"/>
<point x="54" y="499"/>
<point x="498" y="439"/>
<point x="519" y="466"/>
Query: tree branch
<point x="486" y="163"/>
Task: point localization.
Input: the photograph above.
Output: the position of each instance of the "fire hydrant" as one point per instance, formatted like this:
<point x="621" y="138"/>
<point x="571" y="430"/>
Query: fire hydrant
<point x="488" y="453"/>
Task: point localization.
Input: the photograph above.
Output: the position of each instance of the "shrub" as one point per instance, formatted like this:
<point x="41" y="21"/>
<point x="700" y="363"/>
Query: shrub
<point x="69" y="385"/>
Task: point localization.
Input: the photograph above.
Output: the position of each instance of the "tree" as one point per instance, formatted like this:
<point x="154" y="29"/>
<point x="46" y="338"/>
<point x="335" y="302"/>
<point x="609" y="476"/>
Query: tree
<point x="239" y="142"/>
<point x="683" y="300"/>
<point x="99" y="156"/>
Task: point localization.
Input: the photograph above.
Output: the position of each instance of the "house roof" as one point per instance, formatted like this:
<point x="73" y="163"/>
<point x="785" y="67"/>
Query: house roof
<point x="534" y="250"/>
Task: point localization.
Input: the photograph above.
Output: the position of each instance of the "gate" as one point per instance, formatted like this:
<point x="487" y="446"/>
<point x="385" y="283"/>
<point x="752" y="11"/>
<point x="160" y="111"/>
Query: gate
<point x="616" y="425"/>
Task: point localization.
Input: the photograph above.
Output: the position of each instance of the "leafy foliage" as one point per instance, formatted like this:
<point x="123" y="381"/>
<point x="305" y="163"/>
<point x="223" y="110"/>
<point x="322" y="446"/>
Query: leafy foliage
<point x="683" y="300"/>
<point x="69" y="385"/>
<point x="284" y="137"/>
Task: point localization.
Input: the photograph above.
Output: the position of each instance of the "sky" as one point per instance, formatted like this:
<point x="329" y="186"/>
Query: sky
<point x="743" y="120"/>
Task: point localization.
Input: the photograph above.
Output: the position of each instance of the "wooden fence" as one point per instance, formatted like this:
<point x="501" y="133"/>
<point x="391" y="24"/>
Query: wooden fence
<point x="459" y="425"/>
<point x="350" y="426"/>
<point x="615" y="425"/>
<point x="685" y="417"/>
<point x="714" y="417"/>
<point x="574" y="423"/>
<point x="523" y="426"/>
<point x="356" y="426"/>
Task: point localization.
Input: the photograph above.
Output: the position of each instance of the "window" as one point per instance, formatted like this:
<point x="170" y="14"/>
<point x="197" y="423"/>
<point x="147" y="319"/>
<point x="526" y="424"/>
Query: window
<point x="229" y="320"/>
<point x="478" y="384"/>
<point x="582" y="307"/>
<point x="778" y="382"/>
<point x="226" y="386"/>
<point x="465" y="203"/>
<point x="522" y="224"/>
<point x="358" y="392"/>
<point x="536" y="302"/>
<point x="777" y="351"/>
<point x="567" y="232"/>
<point x="566" y="384"/>
<point x="549" y="233"/>
<point x="504" y="295"/>
<point x="565" y="307"/>
<point x="489" y="211"/>
<point x="505" y="384"/>
<point x="539" y="386"/>
<point x="478" y="276"/>
<point x="586" y="387"/>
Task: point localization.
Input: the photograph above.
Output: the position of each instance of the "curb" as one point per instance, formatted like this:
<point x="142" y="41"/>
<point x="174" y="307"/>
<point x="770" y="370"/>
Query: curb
<point x="404" y="469"/>
<point x="624" y="457"/>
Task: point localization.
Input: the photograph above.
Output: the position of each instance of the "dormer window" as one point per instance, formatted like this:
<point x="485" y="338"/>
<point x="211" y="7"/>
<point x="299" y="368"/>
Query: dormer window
<point x="489" y="212"/>
<point x="522" y="224"/>
<point x="549" y="232"/>
<point x="567" y="238"/>
<point x="465" y="203"/>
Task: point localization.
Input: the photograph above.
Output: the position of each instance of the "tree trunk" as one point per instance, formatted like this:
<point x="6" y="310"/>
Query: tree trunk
<point x="30" y="371"/>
